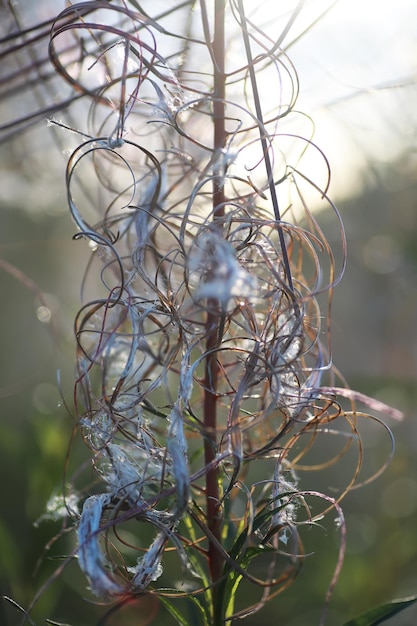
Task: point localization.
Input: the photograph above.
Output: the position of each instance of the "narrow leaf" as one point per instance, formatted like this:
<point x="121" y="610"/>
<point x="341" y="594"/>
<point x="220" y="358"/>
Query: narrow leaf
<point x="181" y="619"/>
<point x="381" y="613"/>
<point x="232" y="579"/>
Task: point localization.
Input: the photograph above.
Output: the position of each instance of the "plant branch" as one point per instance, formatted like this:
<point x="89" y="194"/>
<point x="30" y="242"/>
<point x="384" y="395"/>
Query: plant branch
<point x="214" y="314"/>
<point x="264" y="144"/>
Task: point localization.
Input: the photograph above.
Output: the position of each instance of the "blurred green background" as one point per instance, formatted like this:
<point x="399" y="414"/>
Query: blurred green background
<point x="374" y="345"/>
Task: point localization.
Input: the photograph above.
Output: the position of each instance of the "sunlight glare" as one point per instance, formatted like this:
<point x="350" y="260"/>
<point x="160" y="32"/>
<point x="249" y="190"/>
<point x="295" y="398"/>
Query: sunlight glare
<point x="353" y="64"/>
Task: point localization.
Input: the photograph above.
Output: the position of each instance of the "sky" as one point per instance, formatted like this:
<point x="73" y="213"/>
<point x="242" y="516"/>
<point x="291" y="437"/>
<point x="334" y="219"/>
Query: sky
<point x="358" y="74"/>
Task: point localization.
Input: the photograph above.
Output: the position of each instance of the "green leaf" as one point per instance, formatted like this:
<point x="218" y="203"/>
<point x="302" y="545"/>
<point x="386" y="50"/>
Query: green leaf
<point x="261" y="518"/>
<point x="194" y="561"/>
<point x="232" y="580"/>
<point x="201" y="610"/>
<point x="176" y="614"/>
<point x="200" y="615"/>
<point x="381" y="613"/>
<point x="243" y="555"/>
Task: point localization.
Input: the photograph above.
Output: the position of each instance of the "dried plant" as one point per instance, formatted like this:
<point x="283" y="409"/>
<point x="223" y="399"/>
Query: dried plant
<point x="204" y="374"/>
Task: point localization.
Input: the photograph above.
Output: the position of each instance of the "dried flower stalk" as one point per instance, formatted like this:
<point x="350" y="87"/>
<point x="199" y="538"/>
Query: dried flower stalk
<point x="204" y="369"/>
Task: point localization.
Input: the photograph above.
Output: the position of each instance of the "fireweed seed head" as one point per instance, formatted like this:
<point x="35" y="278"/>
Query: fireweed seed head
<point x="203" y="336"/>
<point x="217" y="273"/>
<point x="90" y="555"/>
<point x="60" y="507"/>
<point x="177" y="448"/>
<point x="168" y="102"/>
<point x="285" y="502"/>
<point x="149" y="567"/>
<point x="132" y="473"/>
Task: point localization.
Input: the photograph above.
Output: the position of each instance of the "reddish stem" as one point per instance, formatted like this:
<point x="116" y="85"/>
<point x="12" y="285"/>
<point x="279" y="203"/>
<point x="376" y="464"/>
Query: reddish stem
<point x="219" y="108"/>
<point x="213" y="495"/>
<point x="210" y="447"/>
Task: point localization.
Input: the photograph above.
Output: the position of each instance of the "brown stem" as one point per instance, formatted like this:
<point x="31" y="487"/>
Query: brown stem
<point x="217" y="47"/>
<point x="210" y="446"/>
<point x="219" y="108"/>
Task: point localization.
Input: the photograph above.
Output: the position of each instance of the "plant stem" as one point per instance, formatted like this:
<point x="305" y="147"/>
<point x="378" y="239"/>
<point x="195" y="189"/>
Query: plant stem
<point x="219" y="108"/>
<point x="264" y="140"/>
<point x="210" y="447"/>
<point x="214" y="311"/>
